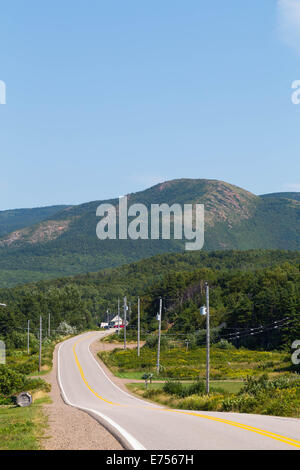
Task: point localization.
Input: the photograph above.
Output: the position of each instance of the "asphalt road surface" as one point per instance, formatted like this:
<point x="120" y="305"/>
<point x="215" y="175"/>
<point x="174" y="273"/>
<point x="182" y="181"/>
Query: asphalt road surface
<point x="141" y="425"/>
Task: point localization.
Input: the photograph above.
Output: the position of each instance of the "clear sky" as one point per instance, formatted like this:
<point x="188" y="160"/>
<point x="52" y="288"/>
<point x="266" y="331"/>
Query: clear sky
<point x="110" y="97"/>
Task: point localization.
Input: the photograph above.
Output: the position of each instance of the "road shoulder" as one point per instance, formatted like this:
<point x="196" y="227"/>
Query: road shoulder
<point x="70" y="428"/>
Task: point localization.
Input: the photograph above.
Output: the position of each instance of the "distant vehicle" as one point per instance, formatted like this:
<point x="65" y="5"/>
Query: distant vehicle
<point x="121" y="326"/>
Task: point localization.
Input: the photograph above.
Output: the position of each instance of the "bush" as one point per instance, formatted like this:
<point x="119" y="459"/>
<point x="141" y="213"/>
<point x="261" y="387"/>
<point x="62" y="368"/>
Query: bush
<point x="151" y="392"/>
<point x="10" y="381"/>
<point x="16" y="340"/>
<point x="254" y="386"/>
<point x="152" y="341"/>
<point x="173" y="387"/>
<point x="242" y="404"/>
<point x="27" y="367"/>
<point x="37" y="384"/>
<point x="65" y="329"/>
<point x="224" y="344"/>
<point x="196" y="388"/>
<point x="196" y="402"/>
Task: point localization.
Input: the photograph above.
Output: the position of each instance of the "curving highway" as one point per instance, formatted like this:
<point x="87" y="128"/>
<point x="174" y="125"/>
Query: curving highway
<point x="141" y="425"/>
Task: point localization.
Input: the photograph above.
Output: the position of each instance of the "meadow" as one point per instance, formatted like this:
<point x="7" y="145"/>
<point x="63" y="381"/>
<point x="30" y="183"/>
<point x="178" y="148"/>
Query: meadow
<point x="242" y="380"/>
<point x="178" y="363"/>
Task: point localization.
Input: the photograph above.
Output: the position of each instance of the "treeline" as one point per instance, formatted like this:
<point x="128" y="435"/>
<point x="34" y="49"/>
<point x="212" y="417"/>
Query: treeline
<point x="256" y="309"/>
<point x="249" y="289"/>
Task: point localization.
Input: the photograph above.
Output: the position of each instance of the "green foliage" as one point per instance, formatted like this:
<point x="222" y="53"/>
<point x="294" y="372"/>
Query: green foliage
<point x="10" y="381"/>
<point x="224" y="344"/>
<point x="152" y="341"/>
<point x="173" y="387"/>
<point x="196" y="388"/>
<point x="278" y="397"/>
<point x="248" y="289"/>
<point x="178" y="389"/>
<point x="21" y="428"/>
<point x="179" y="364"/>
<point x="64" y="329"/>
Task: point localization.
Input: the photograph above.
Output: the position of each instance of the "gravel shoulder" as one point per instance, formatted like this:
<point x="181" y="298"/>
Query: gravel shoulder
<point x="70" y="428"/>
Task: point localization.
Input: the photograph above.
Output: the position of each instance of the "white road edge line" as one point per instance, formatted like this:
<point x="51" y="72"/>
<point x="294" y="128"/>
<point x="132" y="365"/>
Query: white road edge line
<point x="116" y="386"/>
<point x="134" y="443"/>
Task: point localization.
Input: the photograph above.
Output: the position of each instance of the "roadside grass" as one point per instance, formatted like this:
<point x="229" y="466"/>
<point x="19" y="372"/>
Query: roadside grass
<point x="22" y="428"/>
<point x="130" y="375"/>
<point x="226" y="386"/>
<point x="177" y="363"/>
<point x="277" y="397"/>
<point x="242" y="380"/>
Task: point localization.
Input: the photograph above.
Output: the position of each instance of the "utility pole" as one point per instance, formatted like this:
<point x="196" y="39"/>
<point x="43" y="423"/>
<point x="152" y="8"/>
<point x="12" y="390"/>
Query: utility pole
<point x="118" y="316"/>
<point x="28" y="330"/>
<point x="159" y="335"/>
<point x="40" y="351"/>
<point x="207" y="337"/>
<point x="129" y="319"/>
<point x="49" y="328"/>
<point x="139" y="327"/>
<point x="125" y="320"/>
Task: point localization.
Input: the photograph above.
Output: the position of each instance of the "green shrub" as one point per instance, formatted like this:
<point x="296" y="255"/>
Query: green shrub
<point x="37" y="384"/>
<point x="242" y="404"/>
<point x="152" y="341"/>
<point x="224" y="344"/>
<point x="254" y="386"/>
<point x="196" y="402"/>
<point x="10" y="381"/>
<point x="173" y="387"/>
<point x="278" y="407"/>
<point x="27" y="367"/>
<point x="196" y="388"/>
<point x="151" y="392"/>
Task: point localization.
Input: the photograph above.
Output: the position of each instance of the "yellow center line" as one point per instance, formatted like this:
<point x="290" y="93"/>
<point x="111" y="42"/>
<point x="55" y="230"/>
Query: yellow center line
<point x="271" y="435"/>
<point x="83" y="376"/>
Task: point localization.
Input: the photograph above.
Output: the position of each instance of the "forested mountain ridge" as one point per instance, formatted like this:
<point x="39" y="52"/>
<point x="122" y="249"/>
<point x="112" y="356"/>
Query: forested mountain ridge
<point x="16" y="219"/>
<point x="65" y="243"/>
<point x="290" y="195"/>
<point x="247" y="289"/>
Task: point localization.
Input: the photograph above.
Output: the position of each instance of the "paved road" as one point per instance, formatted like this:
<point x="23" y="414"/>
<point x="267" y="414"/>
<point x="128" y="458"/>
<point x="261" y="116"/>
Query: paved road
<point x="141" y="425"/>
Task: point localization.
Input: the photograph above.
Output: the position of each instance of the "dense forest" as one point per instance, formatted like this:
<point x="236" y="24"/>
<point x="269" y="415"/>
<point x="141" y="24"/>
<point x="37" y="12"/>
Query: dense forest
<point x="254" y="295"/>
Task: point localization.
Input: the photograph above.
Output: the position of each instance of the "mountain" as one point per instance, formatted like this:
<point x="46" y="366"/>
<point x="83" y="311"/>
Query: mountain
<point x="65" y="243"/>
<point x="17" y="219"/>
<point x="293" y="196"/>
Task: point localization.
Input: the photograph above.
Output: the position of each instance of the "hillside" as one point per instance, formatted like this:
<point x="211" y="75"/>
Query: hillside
<point x="65" y="243"/>
<point x="248" y="289"/>
<point x="294" y="196"/>
<point x="16" y="219"/>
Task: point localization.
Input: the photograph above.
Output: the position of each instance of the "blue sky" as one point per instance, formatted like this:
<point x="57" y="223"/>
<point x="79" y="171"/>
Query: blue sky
<point x="106" y="98"/>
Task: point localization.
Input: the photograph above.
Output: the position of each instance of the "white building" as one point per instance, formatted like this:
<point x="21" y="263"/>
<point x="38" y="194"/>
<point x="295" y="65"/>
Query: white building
<point x="115" y="321"/>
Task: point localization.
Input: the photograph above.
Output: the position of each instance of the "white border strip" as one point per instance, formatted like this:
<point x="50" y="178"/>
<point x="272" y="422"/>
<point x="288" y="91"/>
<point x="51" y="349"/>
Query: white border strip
<point x="116" y="386"/>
